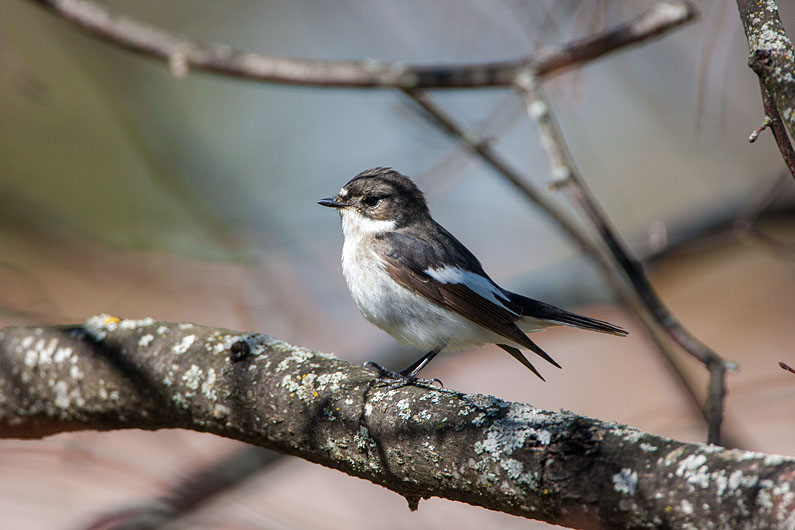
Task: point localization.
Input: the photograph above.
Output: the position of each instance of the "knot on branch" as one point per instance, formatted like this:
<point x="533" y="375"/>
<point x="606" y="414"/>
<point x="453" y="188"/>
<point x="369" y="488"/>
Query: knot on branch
<point x="761" y="60"/>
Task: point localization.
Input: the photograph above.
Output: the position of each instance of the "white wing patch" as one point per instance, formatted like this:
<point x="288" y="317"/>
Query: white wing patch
<point x="474" y="282"/>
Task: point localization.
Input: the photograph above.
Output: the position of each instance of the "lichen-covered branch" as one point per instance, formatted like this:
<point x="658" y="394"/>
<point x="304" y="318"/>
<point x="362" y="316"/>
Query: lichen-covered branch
<point x="772" y="56"/>
<point x="774" y="122"/>
<point x="420" y="442"/>
<point x="183" y="53"/>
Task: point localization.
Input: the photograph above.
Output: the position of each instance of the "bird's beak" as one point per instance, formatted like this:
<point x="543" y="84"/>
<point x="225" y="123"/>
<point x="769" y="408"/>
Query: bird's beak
<point x="332" y="203"/>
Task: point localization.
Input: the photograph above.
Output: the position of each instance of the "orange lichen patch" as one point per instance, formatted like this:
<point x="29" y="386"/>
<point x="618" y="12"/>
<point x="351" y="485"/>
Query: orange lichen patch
<point x="112" y="320"/>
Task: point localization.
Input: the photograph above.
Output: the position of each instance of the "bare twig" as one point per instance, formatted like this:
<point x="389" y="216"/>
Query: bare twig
<point x="482" y="148"/>
<point x="419" y="442"/>
<point x="773" y="120"/>
<point x="754" y="136"/>
<point x="785" y="366"/>
<point x="183" y="53"/>
<point x="565" y="176"/>
<point x="771" y="56"/>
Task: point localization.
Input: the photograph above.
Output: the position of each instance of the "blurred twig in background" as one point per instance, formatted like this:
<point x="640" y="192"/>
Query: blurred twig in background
<point x="566" y="176"/>
<point x="188" y="494"/>
<point x="183" y="53"/>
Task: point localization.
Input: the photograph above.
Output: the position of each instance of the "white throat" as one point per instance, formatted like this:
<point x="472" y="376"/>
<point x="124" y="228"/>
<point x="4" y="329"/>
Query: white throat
<point x="355" y="225"/>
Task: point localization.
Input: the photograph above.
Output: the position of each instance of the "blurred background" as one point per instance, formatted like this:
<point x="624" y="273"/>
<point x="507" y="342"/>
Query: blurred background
<point x="127" y="191"/>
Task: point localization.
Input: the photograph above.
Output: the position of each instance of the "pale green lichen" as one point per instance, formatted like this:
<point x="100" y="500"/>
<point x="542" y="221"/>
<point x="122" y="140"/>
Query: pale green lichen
<point x="739" y="479"/>
<point x="219" y="344"/>
<point x="183" y="345"/>
<point x="178" y="400"/>
<point x="404" y="409"/>
<point x="192" y="377"/>
<point x="65" y="354"/>
<point x="98" y="326"/>
<point x="512" y="467"/>
<point x="366" y="444"/>
<point x="66" y="396"/>
<point x="298" y="356"/>
<point x="221" y="411"/>
<point x="129" y="324"/>
<point x="208" y="386"/>
<point x="694" y="470"/>
<point x="507" y="434"/>
<point x="331" y="381"/>
<point x="75" y="372"/>
<point x="301" y="386"/>
<point x="168" y="380"/>
<point x="625" y="481"/>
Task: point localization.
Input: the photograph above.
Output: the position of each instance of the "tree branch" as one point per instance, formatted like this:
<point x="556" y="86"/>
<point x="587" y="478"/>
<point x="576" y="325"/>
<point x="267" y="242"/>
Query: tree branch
<point x="420" y="442"/>
<point x="773" y="120"/>
<point x="771" y="56"/>
<point x="183" y="53"/>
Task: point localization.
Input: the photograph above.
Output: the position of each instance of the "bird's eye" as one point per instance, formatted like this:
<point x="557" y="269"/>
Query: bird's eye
<point x="371" y="201"/>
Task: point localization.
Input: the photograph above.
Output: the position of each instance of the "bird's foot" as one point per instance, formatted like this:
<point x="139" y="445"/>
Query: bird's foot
<point x="397" y="380"/>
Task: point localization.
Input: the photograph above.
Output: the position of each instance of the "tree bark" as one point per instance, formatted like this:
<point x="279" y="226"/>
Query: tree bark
<point x="417" y="441"/>
<point x="772" y="56"/>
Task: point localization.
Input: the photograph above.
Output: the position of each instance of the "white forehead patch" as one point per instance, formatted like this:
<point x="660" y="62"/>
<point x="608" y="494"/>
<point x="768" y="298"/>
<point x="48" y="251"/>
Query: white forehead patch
<point x="343" y="192"/>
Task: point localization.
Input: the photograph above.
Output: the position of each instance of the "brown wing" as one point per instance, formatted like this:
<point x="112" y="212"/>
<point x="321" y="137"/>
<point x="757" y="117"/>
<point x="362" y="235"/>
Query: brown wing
<point x="464" y="301"/>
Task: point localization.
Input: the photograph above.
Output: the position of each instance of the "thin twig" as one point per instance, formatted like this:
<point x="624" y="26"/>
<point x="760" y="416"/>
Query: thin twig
<point x="773" y="120"/>
<point x="786" y="367"/>
<point x="482" y="148"/>
<point x="754" y="136"/>
<point x="183" y="53"/>
<point x="565" y="176"/>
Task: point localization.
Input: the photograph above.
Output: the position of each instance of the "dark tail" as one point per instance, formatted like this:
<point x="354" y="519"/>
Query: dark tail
<point x="540" y="310"/>
<point x="516" y="354"/>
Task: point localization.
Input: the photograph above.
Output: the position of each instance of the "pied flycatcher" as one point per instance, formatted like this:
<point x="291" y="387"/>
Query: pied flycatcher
<point x="413" y="279"/>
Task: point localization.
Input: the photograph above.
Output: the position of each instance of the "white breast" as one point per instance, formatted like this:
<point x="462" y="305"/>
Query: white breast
<point x="410" y="318"/>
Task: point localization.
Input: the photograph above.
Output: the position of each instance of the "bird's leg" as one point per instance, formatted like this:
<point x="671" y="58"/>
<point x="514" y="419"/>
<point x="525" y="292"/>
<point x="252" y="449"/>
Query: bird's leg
<point x="408" y="375"/>
<point x="413" y="369"/>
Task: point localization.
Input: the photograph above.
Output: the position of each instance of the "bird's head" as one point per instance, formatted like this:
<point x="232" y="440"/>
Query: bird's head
<point x="378" y="200"/>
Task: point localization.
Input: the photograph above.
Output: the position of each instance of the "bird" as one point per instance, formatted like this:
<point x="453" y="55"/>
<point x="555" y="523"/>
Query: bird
<point x="417" y="282"/>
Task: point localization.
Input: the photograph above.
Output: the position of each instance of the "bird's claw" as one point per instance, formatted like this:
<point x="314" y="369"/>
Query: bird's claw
<point x="399" y="379"/>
